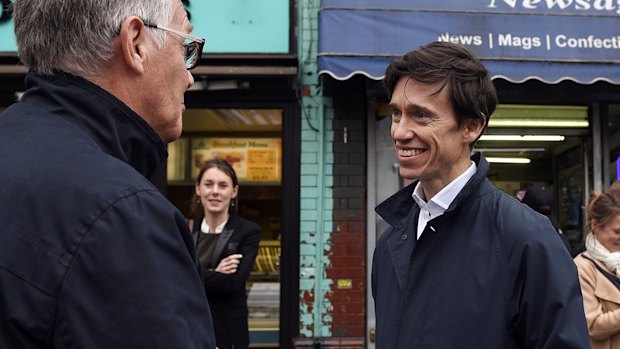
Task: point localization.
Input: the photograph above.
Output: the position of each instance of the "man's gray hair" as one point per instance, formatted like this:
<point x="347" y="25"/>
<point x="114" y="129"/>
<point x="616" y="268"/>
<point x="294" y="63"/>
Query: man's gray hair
<point x="75" y="36"/>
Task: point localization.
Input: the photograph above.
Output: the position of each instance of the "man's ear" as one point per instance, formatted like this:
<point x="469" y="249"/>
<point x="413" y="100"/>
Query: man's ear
<point x="472" y="128"/>
<point x="133" y="44"/>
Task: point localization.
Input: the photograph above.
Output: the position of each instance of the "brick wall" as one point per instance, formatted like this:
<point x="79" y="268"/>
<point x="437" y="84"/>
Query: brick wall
<point x="348" y="259"/>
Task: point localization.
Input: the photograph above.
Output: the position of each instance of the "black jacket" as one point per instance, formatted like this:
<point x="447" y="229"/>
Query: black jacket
<point x="488" y="273"/>
<point x="226" y="292"/>
<point x="91" y="254"/>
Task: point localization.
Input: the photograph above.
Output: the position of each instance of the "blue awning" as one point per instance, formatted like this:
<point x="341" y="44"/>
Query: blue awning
<point x="550" y="44"/>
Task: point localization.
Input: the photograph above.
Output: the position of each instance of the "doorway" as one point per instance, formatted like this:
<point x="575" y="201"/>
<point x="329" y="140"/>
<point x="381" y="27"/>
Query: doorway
<point x="251" y="139"/>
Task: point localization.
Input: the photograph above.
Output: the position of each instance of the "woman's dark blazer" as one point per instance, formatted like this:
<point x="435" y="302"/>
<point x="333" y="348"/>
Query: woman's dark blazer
<point x="226" y="292"/>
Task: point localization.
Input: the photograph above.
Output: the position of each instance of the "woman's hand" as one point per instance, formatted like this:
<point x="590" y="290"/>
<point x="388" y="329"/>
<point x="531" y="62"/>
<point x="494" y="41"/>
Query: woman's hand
<point x="229" y="264"/>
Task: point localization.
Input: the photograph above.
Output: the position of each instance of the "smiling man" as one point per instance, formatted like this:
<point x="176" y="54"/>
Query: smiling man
<point x="92" y="255"/>
<point x="462" y="264"/>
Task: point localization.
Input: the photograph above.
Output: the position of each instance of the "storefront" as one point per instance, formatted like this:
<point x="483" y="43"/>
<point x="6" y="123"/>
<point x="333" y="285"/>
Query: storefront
<point x="312" y="175"/>
<point x="556" y="69"/>
<point x="243" y="108"/>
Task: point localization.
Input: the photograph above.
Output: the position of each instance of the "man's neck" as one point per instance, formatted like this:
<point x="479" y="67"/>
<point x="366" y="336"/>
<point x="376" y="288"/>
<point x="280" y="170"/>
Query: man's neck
<point x="431" y="187"/>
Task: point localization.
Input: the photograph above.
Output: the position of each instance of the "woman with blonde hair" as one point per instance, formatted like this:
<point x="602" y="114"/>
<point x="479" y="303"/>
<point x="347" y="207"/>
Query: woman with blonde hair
<point x="599" y="269"/>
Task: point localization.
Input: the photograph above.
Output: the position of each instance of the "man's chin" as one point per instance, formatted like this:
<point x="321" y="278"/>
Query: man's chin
<point x="173" y="135"/>
<point x="408" y="175"/>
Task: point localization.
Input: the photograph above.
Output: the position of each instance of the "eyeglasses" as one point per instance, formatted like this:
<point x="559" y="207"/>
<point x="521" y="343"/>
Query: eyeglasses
<point x="193" y="47"/>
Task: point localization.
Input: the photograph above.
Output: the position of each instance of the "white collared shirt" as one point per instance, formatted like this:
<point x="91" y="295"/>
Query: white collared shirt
<point x="439" y="203"/>
<point x="204" y="227"/>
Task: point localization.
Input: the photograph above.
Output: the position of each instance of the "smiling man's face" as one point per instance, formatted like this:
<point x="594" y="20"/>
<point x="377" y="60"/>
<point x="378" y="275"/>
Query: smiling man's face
<point x="430" y="146"/>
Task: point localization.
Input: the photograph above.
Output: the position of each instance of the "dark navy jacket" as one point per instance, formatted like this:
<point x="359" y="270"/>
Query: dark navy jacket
<point x="91" y="254"/>
<point x="489" y="273"/>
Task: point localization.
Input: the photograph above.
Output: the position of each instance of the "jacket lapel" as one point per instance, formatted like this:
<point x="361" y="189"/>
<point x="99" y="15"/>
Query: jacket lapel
<point x="401" y="212"/>
<point x="222" y="241"/>
<point x="195" y="238"/>
<point x="400" y="244"/>
<point x="195" y="229"/>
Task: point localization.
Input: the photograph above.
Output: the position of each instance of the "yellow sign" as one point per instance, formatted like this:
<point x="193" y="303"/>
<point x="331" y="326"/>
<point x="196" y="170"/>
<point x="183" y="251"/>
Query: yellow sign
<point x="345" y="284"/>
<point x="254" y="159"/>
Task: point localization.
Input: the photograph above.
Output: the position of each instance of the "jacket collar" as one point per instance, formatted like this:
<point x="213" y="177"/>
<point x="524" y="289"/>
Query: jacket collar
<point x="222" y="241"/>
<point x="117" y="130"/>
<point x="401" y="212"/>
<point x="396" y="208"/>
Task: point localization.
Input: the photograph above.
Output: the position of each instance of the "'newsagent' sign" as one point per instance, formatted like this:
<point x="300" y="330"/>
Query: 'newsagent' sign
<point x="521" y="30"/>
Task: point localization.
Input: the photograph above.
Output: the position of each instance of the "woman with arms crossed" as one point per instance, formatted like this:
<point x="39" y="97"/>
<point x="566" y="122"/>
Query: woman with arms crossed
<point x="227" y="246"/>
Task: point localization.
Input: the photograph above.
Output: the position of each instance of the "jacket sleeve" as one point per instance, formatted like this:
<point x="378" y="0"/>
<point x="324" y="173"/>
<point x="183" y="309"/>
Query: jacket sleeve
<point x="248" y="247"/>
<point x="601" y="324"/>
<point x="134" y="281"/>
<point x="546" y="295"/>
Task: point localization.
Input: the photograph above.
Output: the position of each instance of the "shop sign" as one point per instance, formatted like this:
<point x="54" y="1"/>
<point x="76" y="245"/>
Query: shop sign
<point x="255" y="160"/>
<point x="518" y="30"/>
<point x="545" y="7"/>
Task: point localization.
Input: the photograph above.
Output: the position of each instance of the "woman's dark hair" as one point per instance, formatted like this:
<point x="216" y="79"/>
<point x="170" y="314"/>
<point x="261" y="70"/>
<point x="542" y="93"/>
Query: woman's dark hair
<point x="195" y="207"/>
<point x="471" y="91"/>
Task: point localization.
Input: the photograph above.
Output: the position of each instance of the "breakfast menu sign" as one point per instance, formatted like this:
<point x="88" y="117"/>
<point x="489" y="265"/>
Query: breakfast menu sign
<point x="254" y="159"/>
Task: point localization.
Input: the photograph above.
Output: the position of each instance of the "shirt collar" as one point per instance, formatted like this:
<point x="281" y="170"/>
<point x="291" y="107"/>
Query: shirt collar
<point x="444" y="198"/>
<point x="397" y="208"/>
<point x="204" y="227"/>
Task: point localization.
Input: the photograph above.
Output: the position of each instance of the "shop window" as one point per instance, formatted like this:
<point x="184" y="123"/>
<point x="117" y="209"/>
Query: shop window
<point x="251" y="141"/>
